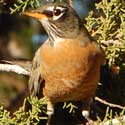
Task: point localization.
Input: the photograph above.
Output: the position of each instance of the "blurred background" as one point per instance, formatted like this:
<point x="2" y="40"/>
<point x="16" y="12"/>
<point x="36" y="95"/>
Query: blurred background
<point x="20" y="36"/>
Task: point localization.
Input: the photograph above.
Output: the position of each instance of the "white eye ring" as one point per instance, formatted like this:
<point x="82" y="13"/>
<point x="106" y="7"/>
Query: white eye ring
<point x="56" y="17"/>
<point x="59" y="14"/>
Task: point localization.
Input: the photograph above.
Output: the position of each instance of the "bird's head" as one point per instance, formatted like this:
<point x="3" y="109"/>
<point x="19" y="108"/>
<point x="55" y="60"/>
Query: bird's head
<point x="59" y="20"/>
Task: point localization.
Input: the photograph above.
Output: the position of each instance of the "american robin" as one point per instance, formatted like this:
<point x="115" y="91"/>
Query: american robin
<point x="67" y="65"/>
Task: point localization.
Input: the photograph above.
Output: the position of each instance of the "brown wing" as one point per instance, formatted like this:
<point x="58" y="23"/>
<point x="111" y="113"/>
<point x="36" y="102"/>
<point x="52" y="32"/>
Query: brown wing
<point x="35" y="80"/>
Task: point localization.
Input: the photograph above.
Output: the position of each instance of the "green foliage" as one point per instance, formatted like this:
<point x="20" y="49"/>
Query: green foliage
<point x="22" y="4"/>
<point x="70" y="106"/>
<point x="108" y="119"/>
<point x="21" y="117"/>
<point x="5" y="117"/>
<point x="107" y="26"/>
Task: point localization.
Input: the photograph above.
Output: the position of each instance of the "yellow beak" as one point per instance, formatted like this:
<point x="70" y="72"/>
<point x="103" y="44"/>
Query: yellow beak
<point x="35" y="15"/>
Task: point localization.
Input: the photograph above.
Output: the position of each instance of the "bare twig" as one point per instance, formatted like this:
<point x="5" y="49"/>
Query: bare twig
<point x="109" y="104"/>
<point x="14" y="68"/>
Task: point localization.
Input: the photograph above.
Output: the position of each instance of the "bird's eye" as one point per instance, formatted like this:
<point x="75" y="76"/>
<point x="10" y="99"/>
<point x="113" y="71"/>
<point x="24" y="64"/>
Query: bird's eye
<point x="57" y="12"/>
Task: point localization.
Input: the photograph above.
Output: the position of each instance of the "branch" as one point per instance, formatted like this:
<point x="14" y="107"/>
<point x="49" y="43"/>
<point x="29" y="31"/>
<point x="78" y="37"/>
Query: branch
<point x="109" y="104"/>
<point x="14" y="68"/>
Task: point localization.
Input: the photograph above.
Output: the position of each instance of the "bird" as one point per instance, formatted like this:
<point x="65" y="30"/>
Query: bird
<point x="66" y="67"/>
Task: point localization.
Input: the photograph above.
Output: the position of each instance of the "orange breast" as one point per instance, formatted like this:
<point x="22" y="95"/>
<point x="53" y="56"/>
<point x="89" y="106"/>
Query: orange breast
<point x="70" y="70"/>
